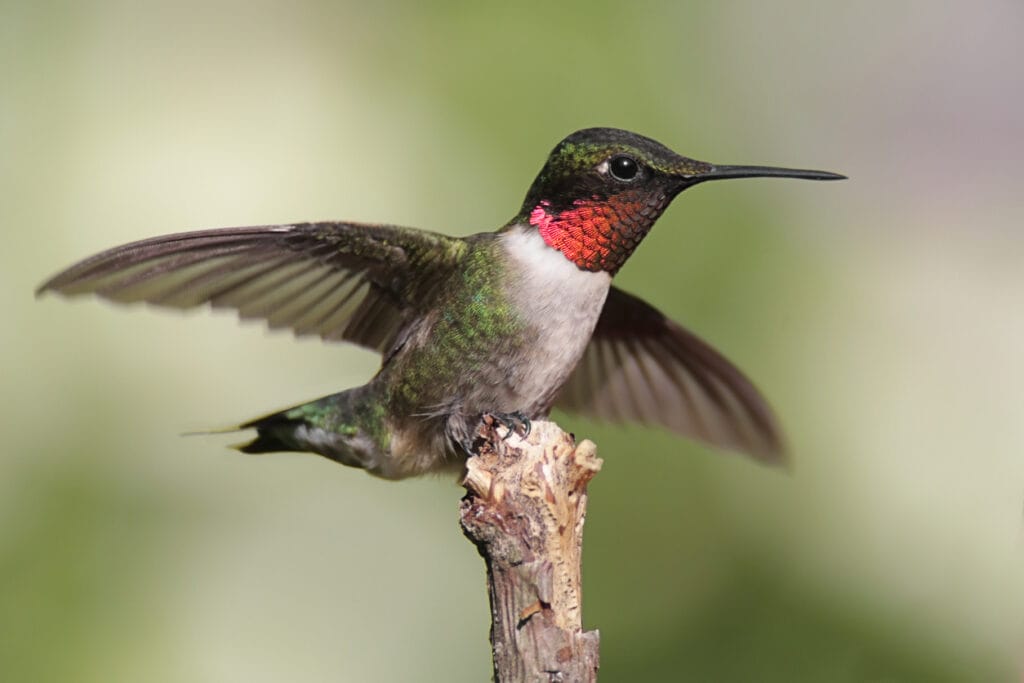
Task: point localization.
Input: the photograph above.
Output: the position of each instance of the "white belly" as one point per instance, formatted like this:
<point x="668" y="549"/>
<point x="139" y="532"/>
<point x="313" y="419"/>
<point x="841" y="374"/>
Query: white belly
<point x="562" y="302"/>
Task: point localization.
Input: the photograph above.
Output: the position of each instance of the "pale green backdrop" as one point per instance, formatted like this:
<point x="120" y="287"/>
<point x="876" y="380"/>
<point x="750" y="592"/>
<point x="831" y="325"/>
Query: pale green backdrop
<point x="883" y="316"/>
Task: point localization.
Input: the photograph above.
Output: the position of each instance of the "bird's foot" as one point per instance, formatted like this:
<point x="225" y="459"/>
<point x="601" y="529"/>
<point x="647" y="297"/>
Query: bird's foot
<point x="515" y="422"/>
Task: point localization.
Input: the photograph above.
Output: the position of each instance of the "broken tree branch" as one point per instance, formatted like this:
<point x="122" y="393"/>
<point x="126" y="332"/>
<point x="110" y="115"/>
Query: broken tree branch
<point x="524" y="511"/>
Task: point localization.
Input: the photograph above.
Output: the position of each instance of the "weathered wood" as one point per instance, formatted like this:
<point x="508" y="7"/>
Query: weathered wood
<point x="524" y="511"/>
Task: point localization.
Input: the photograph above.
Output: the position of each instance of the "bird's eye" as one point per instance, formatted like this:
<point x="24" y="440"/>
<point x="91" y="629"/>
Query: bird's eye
<point x="623" y="168"/>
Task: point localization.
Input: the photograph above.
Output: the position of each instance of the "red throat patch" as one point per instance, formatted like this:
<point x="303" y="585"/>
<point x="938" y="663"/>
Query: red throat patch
<point x="598" y="233"/>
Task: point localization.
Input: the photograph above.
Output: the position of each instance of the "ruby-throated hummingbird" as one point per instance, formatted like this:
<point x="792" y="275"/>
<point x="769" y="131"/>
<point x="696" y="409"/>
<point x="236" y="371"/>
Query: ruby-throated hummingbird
<point x="507" y="323"/>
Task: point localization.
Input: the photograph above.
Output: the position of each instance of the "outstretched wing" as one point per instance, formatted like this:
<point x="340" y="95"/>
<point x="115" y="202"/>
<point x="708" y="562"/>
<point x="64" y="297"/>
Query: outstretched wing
<point x="341" y="281"/>
<point x="640" y="366"/>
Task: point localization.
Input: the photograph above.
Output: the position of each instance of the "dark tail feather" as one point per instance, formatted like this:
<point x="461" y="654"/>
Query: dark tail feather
<point x="269" y="431"/>
<point x="335" y="426"/>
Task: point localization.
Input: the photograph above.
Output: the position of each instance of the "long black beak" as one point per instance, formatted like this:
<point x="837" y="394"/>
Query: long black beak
<point x="727" y="172"/>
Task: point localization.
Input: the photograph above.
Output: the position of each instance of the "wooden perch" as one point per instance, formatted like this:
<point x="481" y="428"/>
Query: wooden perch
<point x="524" y="512"/>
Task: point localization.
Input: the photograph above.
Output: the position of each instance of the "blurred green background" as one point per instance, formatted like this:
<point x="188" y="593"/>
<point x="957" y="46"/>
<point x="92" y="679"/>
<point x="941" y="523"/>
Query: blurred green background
<point x="881" y="315"/>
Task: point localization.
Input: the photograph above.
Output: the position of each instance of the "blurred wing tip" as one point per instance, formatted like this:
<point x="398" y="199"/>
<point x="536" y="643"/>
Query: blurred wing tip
<point x="53" y="284"/>
<point x="769" y="448"/>
<point x="773" y="455"/>
<point x="58" y="284"/>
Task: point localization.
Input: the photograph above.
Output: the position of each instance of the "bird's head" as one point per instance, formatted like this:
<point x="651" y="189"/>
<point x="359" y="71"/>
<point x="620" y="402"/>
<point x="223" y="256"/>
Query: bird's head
<point x="602" y="189"/>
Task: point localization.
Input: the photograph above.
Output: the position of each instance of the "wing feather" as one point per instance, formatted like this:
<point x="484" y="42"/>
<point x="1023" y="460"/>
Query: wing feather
<point x="341" y="281"/>
<point x="642" y="367"/>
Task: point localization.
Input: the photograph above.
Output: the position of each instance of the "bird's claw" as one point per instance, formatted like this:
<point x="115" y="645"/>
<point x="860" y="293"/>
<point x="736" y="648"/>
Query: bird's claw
<point x="469" y="446"/>
<point x="515" y="422"/>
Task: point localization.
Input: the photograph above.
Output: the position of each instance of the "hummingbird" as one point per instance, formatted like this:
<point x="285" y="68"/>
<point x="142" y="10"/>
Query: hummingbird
<point x="506" y="324"/>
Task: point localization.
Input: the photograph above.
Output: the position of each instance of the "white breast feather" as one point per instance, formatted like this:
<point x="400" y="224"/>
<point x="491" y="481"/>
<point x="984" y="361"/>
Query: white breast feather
<point x="562" y="300"/>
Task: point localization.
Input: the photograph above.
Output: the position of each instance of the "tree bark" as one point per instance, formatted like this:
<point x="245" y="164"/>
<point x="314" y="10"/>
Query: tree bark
<point x="524" y="511"/>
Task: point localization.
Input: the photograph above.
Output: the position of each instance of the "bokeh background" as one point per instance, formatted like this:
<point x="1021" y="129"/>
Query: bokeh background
<point x="882" y="315"/>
